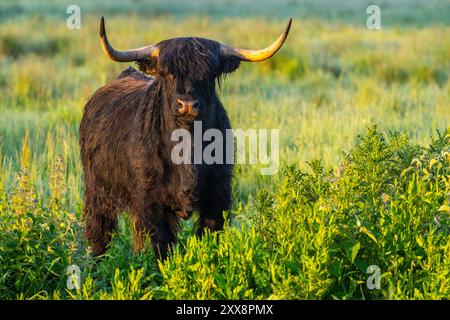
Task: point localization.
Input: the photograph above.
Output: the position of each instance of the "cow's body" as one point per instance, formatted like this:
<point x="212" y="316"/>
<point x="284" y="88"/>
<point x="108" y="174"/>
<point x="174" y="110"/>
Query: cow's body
<point x="125" y="138"/>
<point x="126" y="145"/>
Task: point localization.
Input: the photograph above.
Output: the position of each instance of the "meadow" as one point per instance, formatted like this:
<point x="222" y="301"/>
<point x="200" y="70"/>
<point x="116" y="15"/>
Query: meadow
<point x="364" y="119"/>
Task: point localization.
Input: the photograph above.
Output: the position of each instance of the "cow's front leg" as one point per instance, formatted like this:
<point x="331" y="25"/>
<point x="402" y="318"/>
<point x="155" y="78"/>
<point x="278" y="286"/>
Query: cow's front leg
<point x="214" y="201"/>
<point x="156" y="221"/>
<point x="165" y="232"/>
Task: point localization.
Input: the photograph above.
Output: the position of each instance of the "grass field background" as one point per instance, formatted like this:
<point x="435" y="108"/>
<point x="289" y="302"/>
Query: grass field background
<point x="332" y="80"/>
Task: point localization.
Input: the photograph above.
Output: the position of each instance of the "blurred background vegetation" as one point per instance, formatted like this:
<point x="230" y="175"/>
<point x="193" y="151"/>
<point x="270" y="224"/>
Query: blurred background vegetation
<point x="331" y="80"/>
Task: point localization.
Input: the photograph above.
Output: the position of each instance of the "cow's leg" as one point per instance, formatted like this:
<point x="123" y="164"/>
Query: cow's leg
<point x="165" y="233"/>
<point x="100" y="218"/>
<point x="215" y="198"/>
<point x="156" y="221"/>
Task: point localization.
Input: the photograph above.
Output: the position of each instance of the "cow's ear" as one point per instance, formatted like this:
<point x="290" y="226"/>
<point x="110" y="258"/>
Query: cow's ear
<point x="148" y="66"/>
<point x="229" y="64"/>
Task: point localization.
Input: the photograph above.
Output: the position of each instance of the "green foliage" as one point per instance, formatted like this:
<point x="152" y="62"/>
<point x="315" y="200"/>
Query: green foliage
<point x="386" y="204"/>
<point x="38" y="239"/>
<point x="232" y="268"/>
<point x="15" y="46"/>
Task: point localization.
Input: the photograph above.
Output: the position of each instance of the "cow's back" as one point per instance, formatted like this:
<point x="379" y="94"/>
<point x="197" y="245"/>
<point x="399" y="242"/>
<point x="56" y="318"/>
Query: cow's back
<point x="105" y="128"/>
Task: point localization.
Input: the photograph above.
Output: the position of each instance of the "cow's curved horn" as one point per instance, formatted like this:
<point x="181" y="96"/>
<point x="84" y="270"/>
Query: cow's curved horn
<point x="127" y="55"/>
<point x="257" y="55"/>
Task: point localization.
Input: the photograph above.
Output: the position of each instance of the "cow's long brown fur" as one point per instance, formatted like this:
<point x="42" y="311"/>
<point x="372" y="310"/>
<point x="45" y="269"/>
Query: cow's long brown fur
<point x="125" y="139"/>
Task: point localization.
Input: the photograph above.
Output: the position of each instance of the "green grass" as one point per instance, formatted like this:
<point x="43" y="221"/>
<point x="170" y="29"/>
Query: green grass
<point x="309" y="232"/>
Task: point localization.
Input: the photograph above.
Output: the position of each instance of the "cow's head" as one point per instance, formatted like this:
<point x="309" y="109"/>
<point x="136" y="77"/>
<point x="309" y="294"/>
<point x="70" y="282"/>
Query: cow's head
<point x="189" y="67"/>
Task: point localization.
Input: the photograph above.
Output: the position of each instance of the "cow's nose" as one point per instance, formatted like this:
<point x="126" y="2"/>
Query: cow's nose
<point x="188" y="106"/>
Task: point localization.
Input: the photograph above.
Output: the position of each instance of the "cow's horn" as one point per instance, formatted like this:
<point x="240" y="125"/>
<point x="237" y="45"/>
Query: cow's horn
<point x="124" y="56"/>
<point x="257" y="55"/>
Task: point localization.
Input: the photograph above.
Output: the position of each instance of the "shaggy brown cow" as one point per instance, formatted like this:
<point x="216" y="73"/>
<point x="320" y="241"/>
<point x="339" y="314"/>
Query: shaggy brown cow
<point x="125" y="139"/>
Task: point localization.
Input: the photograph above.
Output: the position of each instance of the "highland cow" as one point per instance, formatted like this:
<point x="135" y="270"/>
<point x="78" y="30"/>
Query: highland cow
<point x="125" y="139"/>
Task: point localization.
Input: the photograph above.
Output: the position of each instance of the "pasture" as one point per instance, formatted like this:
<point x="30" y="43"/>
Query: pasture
<point x="364" y="119"/>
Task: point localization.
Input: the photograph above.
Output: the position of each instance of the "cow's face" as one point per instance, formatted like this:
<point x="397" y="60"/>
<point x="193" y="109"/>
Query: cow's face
<point x="188" y="97"/>
<point x="189" y="67"/>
